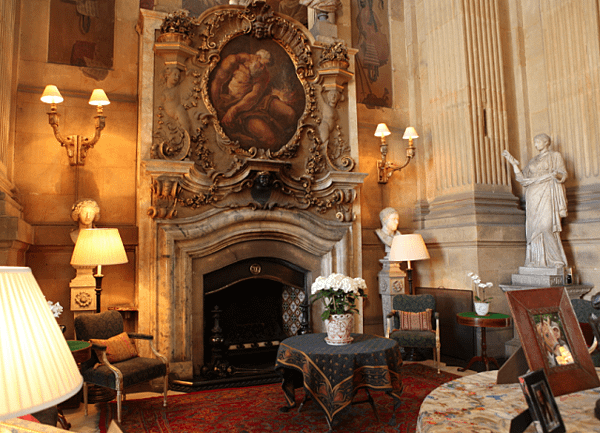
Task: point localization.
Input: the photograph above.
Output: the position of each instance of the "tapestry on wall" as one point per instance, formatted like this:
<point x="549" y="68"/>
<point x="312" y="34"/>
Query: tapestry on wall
<point x="373" y="63"/>
<point x="82" y="33"/>
<point x="292" y="8"/>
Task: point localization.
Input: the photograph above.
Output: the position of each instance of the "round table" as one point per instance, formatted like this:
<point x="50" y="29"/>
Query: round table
<point x="331" y="375"/>
<point x="490" y="320"/>
<point x="476" y="404"/>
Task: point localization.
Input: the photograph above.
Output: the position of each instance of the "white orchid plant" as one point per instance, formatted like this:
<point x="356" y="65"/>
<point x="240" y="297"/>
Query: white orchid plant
<point x="339" y="293"/>
<point x="56" y="309"/>
<point x="480" y="288"/>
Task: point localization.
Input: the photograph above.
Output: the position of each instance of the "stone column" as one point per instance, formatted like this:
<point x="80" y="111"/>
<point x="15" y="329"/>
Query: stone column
<point x="468" y="215"/>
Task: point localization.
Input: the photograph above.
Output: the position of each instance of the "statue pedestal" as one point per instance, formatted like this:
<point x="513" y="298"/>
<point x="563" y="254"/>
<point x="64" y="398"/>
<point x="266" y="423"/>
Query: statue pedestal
<point x="575" y="291"/>
<point x="391" y="283"/>
<point x="539" y="277"/>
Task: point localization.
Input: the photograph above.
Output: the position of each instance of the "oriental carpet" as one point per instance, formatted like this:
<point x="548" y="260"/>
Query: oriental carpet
<point x="255" y="409"/>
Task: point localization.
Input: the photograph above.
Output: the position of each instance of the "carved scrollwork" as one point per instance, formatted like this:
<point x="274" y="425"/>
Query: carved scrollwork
<point x="164" y="197"/>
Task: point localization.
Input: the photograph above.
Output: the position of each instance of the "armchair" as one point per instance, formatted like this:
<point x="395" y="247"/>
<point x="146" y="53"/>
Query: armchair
<point x="413" y="322"/>
<point x="120" y="366"/>
<point x="583" y="308"/>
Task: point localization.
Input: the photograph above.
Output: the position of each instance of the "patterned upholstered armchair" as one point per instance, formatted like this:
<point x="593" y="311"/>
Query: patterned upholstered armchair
<point x="120" y="366"/>
<point x="413" y="322"/>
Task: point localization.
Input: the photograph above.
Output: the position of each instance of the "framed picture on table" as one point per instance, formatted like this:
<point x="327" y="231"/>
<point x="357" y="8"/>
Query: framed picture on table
<point x="552" y="339"/>
<point x="542" y="405"/>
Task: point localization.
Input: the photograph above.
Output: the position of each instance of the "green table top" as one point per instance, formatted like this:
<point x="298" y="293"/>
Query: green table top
<point x="76" y="345"/>
<point x="473" y="314"/>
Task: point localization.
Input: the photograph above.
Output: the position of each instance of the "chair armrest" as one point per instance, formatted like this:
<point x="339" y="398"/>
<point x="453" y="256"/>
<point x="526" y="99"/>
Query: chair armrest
<point x="389" y="324"/>
<point x="100" y="347"/>
<point x="138" y="336"/>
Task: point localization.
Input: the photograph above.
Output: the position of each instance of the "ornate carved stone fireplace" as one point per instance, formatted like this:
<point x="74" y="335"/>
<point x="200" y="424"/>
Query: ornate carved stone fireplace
<point x="213" y="194"/>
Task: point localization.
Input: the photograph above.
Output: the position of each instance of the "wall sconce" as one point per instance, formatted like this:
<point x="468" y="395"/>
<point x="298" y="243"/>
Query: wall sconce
<point x="76" y="145"/>
<point x="385" y="168"/>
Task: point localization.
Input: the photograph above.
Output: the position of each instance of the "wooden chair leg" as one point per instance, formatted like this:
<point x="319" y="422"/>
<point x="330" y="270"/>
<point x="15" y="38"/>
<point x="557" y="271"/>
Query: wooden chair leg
<point x="85" y="398"/>
<point x="165" y="390"/>
<point x="119" y="400"/>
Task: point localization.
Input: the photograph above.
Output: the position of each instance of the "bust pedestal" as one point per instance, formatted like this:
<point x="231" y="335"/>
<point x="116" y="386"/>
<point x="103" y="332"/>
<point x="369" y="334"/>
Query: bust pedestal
<point x="392" y="282"/>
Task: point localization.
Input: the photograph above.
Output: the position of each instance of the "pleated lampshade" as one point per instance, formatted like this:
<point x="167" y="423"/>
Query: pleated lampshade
<point x="37" y="369"/>
<point x="99" y="247"/>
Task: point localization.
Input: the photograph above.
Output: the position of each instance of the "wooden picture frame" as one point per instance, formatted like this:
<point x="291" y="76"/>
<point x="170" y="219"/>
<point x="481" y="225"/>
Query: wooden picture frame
<point x="542" y="405"/>
<point x="535" y="313"/>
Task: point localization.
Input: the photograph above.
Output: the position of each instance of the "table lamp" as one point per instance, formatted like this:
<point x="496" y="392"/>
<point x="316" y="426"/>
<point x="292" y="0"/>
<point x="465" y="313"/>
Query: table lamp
<point x="98" y="247"/>
<point x="407" y="248"/>
<point x="37" y="370"/>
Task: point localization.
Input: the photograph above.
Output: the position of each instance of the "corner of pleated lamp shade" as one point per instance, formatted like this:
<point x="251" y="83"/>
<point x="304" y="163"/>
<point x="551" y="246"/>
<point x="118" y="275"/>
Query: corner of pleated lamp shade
<point x="408" y="248"/>
<point x="101" y="246"/>
<point x="37" y="369"/>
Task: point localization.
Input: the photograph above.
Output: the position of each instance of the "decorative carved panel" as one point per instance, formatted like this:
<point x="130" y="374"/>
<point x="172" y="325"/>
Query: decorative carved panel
<point x="261" y="110"/>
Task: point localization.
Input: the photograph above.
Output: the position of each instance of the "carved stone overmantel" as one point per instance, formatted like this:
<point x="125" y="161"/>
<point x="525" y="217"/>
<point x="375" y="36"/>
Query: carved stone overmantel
<point x="289" y="150"/>
<point x="210" y="194"/>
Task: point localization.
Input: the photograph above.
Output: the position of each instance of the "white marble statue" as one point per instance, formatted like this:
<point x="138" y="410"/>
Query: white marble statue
<point x="322" y="5"/>
<point x="546" y="203"/>
<point x="85" y="212"/>
<point x="389" y="226"/>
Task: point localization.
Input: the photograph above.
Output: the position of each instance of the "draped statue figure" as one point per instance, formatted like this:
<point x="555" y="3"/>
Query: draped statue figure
<point x="546" y="203"/>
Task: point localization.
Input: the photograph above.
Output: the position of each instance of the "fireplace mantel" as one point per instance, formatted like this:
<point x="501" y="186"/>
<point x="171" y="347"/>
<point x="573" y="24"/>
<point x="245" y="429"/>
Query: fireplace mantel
<point x="194" y="220"/>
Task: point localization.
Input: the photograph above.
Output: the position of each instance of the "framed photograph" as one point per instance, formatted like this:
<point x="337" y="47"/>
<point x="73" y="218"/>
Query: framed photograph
<point x="552" y="339"/>
<point x="542" y="405"/>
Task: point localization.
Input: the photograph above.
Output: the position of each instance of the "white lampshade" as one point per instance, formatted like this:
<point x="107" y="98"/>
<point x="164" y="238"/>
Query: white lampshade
<point x="410" y="132"/>
<point x="37" y="369"/>
<point x="382" y="130"/>
<point x="406" y="248"/>
<point x="99" y="247"/>
<point x="99" y="98"/>
<point x="51" y="95"/>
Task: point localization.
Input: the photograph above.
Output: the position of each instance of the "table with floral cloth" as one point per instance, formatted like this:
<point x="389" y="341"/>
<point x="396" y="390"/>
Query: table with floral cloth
<point x="476" y="404"/>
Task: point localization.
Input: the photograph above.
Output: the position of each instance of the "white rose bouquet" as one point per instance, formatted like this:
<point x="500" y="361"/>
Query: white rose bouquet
<point x="339" y="293"/>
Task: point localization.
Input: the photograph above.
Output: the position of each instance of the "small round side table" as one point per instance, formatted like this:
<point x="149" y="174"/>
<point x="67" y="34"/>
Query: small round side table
<point x="490" y="320"/>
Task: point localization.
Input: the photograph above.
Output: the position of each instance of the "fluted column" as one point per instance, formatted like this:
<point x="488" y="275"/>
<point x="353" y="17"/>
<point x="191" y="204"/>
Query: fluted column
<point x="574" y="83"/>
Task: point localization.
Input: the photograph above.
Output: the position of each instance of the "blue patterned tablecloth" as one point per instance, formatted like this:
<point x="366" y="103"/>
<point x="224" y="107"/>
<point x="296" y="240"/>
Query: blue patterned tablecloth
<point x="333" y="374"/>
<point x="475" y="404"/>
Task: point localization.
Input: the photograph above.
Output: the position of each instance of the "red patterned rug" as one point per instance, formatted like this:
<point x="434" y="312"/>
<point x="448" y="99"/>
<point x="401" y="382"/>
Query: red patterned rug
<point x="255" y="409"/>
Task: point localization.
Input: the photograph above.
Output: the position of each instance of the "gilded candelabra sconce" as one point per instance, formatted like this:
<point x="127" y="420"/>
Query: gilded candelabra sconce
<point x="76" y="145"/>
<point x="385" y="168"/>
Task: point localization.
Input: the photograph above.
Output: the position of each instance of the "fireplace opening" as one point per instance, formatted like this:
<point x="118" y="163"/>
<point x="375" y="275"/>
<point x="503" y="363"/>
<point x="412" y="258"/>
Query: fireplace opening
<point x="251" y="320"/>
<point x="249" y="308"/>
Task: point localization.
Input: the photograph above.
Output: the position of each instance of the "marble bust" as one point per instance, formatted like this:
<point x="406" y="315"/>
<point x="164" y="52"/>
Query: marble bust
<point x="85" y="212"/>
<point x="389" y="218"/>
<point x="545" y="204"/>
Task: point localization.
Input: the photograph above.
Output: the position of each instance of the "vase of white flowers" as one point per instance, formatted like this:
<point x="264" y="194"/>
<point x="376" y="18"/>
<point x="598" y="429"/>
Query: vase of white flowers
<point x="481" y="302"/>
<point x="339" y="294"/>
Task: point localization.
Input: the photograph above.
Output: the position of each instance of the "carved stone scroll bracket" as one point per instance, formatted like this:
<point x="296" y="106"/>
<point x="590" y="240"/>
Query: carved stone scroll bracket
<point x="174" y="52"/>
<point x="164" y="197"/>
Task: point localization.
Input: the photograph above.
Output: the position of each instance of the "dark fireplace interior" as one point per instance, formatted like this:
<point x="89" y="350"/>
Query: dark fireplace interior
<point x="251" y="320"/>
<point x="249" y="308"/>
